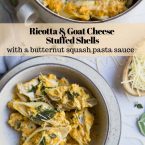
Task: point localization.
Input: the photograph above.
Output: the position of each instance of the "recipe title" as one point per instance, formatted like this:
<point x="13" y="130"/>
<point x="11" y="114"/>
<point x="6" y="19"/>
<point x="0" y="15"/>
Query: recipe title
<point x="71" y="35"/>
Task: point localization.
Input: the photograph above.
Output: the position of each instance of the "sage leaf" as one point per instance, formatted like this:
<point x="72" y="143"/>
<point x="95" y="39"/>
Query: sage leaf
<point x="43" y="142"/>
<point x="141" y="124"/>
<point x="139" y="106"/>
<point x="33" y="89"/>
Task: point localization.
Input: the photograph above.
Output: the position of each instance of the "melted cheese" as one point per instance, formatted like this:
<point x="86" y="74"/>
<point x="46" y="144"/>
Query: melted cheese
<point x="85" y="10"/>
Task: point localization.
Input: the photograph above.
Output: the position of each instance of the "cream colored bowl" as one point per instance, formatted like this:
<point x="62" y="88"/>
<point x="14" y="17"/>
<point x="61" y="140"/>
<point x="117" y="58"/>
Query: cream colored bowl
<point x="107" y="126"/>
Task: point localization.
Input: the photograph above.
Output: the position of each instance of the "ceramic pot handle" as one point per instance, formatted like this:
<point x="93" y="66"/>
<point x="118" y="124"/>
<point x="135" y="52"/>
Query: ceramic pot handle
<point x="26" y="13"/>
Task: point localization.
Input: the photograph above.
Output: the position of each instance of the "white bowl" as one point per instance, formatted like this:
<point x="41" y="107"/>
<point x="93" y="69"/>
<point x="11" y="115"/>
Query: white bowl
<point x="107" y="126"/>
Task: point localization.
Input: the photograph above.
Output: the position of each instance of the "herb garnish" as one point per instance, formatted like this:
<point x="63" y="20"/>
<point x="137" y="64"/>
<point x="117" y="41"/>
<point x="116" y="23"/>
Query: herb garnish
<point x="141" y="124"/>
<point x="33" y="89"/>
<point x="139" y="106"/>
<point x="43" y="141"/>
<point x="71" y="95"/>
<point x="43" y="93"/>
<point x="39" y="107"/>
<point x="18" y="124"/>
<point x="43" y="90"/>
<point x="45" y="115"/>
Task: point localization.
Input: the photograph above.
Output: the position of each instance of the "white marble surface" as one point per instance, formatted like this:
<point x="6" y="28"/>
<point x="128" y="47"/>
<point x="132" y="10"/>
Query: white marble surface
<point x="111" y="69"/>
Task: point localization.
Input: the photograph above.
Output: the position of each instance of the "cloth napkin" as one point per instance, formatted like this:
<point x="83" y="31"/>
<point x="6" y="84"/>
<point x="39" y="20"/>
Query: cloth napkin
<point x="7" y="15"/>
<point x="8" y="62"/>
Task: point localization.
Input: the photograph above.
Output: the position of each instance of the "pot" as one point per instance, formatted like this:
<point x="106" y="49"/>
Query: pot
<point x="29" y="11"/>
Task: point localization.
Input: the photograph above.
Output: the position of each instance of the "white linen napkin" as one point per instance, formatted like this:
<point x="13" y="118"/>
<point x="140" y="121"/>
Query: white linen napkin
<point x="8" y="62"/>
